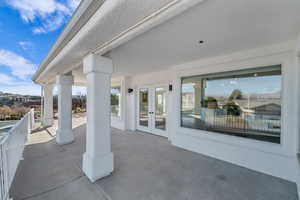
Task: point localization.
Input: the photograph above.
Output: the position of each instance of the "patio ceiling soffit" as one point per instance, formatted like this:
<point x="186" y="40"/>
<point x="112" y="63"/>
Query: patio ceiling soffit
<point x="79" y="43"/>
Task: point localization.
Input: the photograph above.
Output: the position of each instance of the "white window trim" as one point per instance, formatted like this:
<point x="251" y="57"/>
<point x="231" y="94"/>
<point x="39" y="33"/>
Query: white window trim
<point x="233" y="71"/>
<point x="286" y="145"/>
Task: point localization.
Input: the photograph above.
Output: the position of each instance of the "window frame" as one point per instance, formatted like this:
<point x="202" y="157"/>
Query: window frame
<point x="237" y="71"/>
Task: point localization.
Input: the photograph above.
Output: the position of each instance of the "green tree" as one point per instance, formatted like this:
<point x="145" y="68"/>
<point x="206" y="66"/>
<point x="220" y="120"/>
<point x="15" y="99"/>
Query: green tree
<point x="232" y="108"/>
<point x="114" y="100"/>
<point x="236" y="94"/>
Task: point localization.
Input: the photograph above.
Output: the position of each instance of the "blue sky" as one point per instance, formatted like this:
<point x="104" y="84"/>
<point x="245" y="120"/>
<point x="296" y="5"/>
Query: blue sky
<point x="28" y="28"/>
<point x="248" y="86"/>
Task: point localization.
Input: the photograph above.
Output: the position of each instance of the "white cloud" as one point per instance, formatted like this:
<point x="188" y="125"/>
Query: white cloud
<point x="5" y="79"/>
<point x="233" y="82"/>
<point x="73" y="4"/>
<point x="50" y="24"/>
<point x="32" y="9"/>
<point x="39" y="30"/>
<point x="19" y="66"/>
<point x="11" y="81"/>
<point x="52" y="14"/>
<point x="25" y="45"/>
<point x="24" y="89"/>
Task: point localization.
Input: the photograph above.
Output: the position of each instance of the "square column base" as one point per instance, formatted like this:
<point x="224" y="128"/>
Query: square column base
<point x="64" y="137"/>
<point x="97" y="167"/>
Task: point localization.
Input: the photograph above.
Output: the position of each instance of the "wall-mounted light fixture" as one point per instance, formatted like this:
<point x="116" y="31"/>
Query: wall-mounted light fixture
<point x="130" y="90"/>
<point x="170" y="87"/>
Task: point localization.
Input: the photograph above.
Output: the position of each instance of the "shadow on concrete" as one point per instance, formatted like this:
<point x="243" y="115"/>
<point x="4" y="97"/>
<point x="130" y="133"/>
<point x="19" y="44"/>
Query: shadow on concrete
<point x="147" y="167"/>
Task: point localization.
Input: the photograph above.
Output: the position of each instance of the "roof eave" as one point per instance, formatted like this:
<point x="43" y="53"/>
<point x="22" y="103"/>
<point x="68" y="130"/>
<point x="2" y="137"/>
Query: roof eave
<point x="81" y="15"/>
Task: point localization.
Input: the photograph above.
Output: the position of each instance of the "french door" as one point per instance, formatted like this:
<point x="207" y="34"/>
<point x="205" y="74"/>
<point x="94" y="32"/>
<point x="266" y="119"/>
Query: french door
<point x="152" y="110"/>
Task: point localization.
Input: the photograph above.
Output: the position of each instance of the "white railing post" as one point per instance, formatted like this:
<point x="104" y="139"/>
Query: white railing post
<point x="31" y="119"/>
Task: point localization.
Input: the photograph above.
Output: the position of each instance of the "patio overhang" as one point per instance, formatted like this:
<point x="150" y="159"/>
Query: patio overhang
<point x="99" y="26"/>
<point x="79" y="18"/>
<point x="107" y="30"/>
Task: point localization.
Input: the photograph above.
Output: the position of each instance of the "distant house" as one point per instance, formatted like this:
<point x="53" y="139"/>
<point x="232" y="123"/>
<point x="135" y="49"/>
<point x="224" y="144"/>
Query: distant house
<point x="33" y="103"/>
<point x="20" y="99"/>
<point x="268" y="109"/>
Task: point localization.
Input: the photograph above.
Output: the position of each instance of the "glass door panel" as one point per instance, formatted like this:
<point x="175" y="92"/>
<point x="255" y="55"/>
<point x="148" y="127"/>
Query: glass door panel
<point x="144" y="107"/>
<point x="160" y="108"/>
<point x="152" y="110"/>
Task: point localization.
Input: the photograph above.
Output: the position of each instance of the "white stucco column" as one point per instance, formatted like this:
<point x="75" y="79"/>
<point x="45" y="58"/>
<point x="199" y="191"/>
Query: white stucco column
<point x="98" y="158"/>
<point x="48" y="105"/>
<point x="197" y="97"/>
<point x="64" y="134"/>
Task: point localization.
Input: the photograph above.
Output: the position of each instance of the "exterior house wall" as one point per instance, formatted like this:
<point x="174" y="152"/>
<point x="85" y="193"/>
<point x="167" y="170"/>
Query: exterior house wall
<point x="256" y="155"/>
<point x="129" y="101"/>
<point x="275" y="159"/>
<point x="158" y="79"/>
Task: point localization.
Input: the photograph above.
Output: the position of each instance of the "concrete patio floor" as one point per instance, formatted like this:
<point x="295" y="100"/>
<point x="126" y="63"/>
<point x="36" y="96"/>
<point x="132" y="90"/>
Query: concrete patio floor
<point x="147" y="167"/>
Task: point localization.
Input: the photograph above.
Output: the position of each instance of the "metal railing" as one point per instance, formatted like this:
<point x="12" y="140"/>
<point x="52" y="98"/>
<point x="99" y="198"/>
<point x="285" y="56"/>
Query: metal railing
<point x="12" y="146"/>
<point x="267" y="125"/>
<point x="264" y="126"/>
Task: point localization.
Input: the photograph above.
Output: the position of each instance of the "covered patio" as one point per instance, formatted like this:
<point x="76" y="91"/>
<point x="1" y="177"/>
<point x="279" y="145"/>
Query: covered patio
<point x="216" y="78"/>
<point x="147" y="167"/>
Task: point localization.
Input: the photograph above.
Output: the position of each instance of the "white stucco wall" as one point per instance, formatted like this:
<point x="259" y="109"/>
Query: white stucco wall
<point x="275" y="159"/>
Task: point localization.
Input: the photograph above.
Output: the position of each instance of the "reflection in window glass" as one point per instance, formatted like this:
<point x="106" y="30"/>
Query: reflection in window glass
<point x="143" y="107"/>
<point x="115" y="101"/>
<point x="244" y="103"/>
<point x="160" y="108"/>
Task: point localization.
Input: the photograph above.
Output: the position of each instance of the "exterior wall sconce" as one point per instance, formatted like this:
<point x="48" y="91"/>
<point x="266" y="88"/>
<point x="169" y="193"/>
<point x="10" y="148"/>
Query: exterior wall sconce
<point x="130" y="90"/>
<point x="170" y="87"/>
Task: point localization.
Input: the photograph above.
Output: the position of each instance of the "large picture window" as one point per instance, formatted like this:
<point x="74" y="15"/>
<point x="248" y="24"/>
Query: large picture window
<point x="244" y="103"/>
<point x="115" y="101"/>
